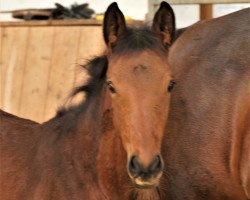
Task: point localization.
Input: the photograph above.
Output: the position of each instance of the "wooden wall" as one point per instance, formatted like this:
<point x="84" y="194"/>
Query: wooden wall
<point x="39" y="65"/>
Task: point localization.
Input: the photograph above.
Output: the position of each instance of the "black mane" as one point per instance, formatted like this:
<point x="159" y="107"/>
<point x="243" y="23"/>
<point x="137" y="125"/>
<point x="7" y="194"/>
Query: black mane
<point x="134" y="40"/>
<point x="96" y="68"/>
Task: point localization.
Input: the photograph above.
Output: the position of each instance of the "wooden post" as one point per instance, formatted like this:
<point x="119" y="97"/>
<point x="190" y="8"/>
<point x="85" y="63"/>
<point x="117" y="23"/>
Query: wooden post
<point x="206" y="11"/>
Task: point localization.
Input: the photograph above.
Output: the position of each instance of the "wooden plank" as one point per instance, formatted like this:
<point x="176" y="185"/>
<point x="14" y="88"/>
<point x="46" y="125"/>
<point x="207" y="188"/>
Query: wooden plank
<point x="1" y="66"/>
<point x="70" y="22"/>
<point x="7" y="39"/>
<point x="36" y="72"/>
<point x="13" y="60"/>
<point x="91" y="44"/>
<point x="206" y="11"/>
<point x="61" y="77"/>
<point x="6" y="43"/>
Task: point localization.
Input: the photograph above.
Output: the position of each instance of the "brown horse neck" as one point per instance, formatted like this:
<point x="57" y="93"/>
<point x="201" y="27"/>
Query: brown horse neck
<point x="96" y="148"/>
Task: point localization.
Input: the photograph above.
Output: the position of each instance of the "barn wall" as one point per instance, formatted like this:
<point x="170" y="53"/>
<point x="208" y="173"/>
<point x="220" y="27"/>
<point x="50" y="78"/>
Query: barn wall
<point x="40" y="65"/>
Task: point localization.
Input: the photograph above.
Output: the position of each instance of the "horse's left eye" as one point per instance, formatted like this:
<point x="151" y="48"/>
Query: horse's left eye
<point x="171" y="85"/>
<point x="111" y="87"/>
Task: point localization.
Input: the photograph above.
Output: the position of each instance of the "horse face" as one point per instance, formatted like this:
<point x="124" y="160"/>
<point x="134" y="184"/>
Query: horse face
<point x="139" y="82"/>
<point x="139" y="87"/>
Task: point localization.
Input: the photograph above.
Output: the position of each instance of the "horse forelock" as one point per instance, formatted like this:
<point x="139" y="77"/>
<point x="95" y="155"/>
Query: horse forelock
<point x="138" y="39"/>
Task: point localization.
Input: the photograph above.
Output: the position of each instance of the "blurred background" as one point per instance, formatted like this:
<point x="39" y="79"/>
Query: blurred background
<point x="187" y="12"/>
<point x="42" y="48"/>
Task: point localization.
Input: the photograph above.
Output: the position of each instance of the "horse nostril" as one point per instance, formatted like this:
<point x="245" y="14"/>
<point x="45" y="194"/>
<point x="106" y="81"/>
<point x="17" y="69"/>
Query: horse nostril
<point x="134" y="167"/>
<point x="156" y="165"/>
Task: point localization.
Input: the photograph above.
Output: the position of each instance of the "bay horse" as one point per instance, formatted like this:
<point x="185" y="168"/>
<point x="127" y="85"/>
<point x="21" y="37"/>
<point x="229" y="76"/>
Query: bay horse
<point x="207" y="139"/>
<point x="108" y="147"/>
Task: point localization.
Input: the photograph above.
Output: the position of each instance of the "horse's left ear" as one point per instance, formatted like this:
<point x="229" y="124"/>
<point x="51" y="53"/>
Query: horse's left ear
<point x="164" y="23"/>
<point x="114" y="24"/>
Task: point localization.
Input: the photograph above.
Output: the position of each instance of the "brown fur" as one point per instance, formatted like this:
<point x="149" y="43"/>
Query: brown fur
<point x="207" y="146"/>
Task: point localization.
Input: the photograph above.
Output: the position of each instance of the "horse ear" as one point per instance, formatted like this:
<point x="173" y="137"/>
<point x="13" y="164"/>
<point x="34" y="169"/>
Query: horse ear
<point x="164" y="23"/>
<point x="114" y="24"/>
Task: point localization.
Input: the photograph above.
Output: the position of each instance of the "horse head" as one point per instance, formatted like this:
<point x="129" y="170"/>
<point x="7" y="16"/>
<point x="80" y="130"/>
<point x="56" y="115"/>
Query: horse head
<point x="139" y="83"/>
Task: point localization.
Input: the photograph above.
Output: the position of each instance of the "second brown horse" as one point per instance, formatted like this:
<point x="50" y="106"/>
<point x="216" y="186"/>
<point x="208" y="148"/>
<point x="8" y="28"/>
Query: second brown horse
<point x="207" y="141"/>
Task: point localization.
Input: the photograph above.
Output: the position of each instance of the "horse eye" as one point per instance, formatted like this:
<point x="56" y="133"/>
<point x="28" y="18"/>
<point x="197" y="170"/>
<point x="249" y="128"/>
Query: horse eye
<point x="171" y="85"/>
<point x="111" y="87"/>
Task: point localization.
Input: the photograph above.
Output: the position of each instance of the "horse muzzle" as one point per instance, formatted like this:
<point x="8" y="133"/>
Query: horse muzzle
<point x="145" y="177"/>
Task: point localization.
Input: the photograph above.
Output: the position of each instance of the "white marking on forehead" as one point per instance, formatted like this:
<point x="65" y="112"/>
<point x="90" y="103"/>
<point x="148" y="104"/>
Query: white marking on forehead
<point x="140" y="68"/>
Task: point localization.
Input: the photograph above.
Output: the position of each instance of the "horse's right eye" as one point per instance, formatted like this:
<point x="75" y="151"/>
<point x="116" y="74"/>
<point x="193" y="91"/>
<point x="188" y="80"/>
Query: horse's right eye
<point x="171" y="85"/>
<point x="111" y="87"/>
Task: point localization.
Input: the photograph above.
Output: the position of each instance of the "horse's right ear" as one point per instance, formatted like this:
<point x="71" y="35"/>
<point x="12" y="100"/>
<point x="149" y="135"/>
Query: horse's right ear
<point x="164" y="23"/>
<point x="114" y="24"/>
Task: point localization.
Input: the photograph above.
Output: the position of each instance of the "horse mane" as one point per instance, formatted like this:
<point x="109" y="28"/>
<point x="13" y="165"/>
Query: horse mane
<point x="96" y="69"/>
<point x="135" y="39"/>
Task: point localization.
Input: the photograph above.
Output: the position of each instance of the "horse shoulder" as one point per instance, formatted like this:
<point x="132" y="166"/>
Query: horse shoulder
<point x="245" y="148"/>
<point x="245" y="164"/>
